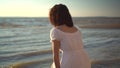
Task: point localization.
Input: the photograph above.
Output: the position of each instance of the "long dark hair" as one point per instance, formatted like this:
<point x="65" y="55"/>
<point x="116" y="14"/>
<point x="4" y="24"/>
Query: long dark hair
<point x="59" y="15"/>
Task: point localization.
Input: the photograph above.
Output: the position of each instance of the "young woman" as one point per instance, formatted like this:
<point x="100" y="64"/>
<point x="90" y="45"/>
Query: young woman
<point x="65" y="37"/>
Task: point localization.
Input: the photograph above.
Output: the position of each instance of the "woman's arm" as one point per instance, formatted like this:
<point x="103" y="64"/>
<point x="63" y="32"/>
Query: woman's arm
<point x="55" y="50"/>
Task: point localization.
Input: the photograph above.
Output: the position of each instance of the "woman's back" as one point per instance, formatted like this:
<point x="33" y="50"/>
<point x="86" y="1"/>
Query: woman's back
<point x="67" y="29"/>
<point x="73" y="54"/>
<point x="70" y="38"/>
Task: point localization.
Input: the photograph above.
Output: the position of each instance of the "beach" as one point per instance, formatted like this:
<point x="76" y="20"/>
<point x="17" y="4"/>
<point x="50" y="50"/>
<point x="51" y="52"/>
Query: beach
<point x="25" y="42"/>
<point x="98" y="64"/>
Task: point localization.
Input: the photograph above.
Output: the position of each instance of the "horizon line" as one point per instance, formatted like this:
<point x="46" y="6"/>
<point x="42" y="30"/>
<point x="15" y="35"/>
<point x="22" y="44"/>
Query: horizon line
<point x="47" y="16"/>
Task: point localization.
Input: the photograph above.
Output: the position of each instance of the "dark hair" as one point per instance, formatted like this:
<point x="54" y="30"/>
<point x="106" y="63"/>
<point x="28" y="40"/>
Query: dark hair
<point x="59" y="15"/>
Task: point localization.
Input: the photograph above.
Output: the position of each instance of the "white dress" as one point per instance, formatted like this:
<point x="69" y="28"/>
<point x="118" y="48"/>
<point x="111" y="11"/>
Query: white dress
<point x="73" y="53"/>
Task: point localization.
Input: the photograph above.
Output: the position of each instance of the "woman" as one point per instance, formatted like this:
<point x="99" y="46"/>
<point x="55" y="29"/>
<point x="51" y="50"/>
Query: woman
<point x="65" y="37"/>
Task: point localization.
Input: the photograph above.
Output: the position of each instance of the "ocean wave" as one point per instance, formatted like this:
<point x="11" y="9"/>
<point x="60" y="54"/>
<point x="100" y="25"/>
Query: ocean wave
<point x="9" y="25"/>
<point x="24" y="55"/>
<point x="32" y="64"/>
<point x="3" y="25"/>
<point x="114" y="63"/>
<point x="102" y="43"/>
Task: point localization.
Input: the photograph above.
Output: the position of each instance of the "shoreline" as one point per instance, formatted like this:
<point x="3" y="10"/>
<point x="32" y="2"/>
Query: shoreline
<point x="94" y="64"/>
<point x="106" y="64"/>
<point x="106" y="61"/>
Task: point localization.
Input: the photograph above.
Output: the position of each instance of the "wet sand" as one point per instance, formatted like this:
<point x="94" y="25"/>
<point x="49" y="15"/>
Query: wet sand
<point x="97" y="64"/>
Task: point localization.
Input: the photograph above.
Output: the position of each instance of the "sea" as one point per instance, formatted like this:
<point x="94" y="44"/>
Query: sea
<point x="25" y="42"/>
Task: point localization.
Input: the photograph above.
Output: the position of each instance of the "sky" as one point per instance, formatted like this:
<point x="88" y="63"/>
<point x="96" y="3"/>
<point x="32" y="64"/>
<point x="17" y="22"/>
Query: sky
<point x="77" y="8"/>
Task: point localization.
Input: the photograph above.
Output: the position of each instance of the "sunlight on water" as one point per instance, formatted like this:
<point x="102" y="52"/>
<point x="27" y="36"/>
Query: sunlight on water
<point x="30" y="45"/>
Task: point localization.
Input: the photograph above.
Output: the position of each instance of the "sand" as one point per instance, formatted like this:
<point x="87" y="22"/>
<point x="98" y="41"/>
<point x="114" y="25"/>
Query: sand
<point x="95" y="64"/>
